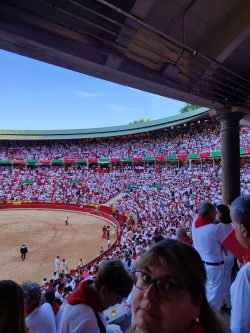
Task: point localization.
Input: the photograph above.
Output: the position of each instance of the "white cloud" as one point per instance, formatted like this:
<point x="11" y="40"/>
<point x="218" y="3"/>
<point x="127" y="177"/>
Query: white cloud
<point x="86" y="94"/>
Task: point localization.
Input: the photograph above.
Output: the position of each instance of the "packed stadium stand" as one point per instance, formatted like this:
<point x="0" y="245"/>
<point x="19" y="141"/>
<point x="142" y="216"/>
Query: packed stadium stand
<point x="161" y="177"/>
<point x="156" y="191"/>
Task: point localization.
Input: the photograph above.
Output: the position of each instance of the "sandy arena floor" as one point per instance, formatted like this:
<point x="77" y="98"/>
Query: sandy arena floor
<point x="46" y="236"/>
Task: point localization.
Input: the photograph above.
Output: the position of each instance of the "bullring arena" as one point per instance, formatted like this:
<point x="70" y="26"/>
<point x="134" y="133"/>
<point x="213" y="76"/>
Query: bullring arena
<point x="46" y="235"/>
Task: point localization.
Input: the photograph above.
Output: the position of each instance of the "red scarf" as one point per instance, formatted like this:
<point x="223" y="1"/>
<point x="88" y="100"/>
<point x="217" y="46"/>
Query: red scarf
<point x="55" y="307"/>
<point x="187" y="240"/>
<point x="247" y="258"/>
<point x="201" y="221"/>
<point x="85" y="294"/>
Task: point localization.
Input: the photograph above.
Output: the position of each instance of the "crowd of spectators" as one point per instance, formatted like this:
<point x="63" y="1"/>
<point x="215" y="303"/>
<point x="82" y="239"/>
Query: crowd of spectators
<point x="159" y="198"/>
<point x="200" y="136"/>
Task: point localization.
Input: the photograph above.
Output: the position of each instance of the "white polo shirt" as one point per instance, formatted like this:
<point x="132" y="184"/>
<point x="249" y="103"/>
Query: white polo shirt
<point x="207" y="241"/>
<point x="240" y="299"/>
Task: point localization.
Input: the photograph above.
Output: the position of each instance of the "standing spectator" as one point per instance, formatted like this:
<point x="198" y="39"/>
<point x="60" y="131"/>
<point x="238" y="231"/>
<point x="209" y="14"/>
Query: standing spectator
<point x="23" y="251"/>
<point x="11" y="308"/>
<point x="207" y="241"/>
<point x="225" y="224"/>
<point x="39" y="318"/>
<point x="183" y="237"/>
<point x="240" y="289"/>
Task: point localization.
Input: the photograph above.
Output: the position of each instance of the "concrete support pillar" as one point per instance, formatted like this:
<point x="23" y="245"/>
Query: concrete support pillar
<point x="230" y="146"/>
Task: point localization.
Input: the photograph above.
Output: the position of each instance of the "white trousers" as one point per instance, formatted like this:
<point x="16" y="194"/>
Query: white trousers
<point x="214" y="286"/>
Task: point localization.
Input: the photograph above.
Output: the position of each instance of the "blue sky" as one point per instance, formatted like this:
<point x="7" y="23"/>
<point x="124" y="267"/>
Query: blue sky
<point x="36" y="95"/>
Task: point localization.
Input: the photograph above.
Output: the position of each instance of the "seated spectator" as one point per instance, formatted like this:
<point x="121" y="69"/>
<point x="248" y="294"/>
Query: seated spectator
<point x="11" y="308"/>
<point x="169" y="294"/>
<point x="240" y="289"/>
<point x="183" y="237"/>
<point x="157" y="238"/>
<point x="39" y="318"/>
<point x="49" y="297"/>
<point x="83" y="311"/>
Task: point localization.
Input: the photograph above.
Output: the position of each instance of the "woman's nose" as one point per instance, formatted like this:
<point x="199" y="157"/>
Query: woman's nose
<point x="151" y="292"/>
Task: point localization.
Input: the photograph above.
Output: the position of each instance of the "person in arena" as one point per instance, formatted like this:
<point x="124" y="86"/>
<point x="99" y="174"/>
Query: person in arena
<point x="169" y="294"/>
<point x="23" y="251"/>
<point x="64" y="265"/>
<point x="240" y="289"/>
<point x="207" y="237"/>
<point x="66" y="221"/>
<point x="12" y="318"/>
<point x="39" y="318"/>
<point x="83" y="311"/>
<point x="57" y="264"/>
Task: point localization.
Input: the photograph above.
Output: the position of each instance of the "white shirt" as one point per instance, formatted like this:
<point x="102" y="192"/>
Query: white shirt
<point x="41" y="320"/>
<point x="240" y="299"/>
<point x="80" y="318"/>
<point x="207" y="241"/>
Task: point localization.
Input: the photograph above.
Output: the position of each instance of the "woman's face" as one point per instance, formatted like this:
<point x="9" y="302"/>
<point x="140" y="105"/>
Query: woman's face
<point x="154" y="314"/>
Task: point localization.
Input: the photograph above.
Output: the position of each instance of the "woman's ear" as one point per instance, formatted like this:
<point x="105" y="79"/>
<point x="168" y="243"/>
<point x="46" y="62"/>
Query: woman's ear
<point x="103" y="291"/>
<point x="245" y="234"/>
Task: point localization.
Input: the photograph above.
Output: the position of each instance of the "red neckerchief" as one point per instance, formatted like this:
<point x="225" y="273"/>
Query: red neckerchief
<point x="85" y="294"/>
<point x="247" y="258"/>
<point x="188" y="240"/>
<point x="201" y="221"/>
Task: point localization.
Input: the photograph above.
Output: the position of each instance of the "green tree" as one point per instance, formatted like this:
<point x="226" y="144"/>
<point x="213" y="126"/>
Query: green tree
<point x="139" y="121"/>
<point x="189" y="107"/>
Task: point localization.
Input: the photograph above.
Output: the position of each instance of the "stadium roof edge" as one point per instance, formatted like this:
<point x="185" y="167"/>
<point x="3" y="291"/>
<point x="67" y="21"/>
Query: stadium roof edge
<point x="101" y="132"/>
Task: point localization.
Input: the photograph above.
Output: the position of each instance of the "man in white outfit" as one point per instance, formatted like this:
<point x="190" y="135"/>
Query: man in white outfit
<point x="240" y="289"/>
<point x="207" y="241"/>
<point x="57" y="264"/>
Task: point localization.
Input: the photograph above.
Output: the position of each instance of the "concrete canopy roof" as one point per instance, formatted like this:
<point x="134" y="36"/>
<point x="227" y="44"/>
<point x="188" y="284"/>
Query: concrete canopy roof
<point x="196" y="51"/>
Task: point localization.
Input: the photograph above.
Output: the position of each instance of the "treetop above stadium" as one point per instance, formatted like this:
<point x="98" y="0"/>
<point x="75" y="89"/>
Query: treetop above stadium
<point x="104" y="131"/>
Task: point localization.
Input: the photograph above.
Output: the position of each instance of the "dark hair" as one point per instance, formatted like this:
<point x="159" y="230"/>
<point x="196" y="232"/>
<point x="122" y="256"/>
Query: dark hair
<point x="113" y="276"/>
<point x="240" y="211"/>
<point x="187" y="268"/>
<point x="205" y="208"/>
<point x="11" y="307"/>
<point x="225" y="214"/>
<point x="157" y="238"/>
<point x="49" y="295"/>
